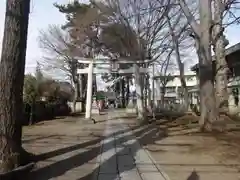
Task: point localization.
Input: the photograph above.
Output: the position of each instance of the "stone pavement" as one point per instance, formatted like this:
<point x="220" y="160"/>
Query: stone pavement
<point x="122" y="157"/>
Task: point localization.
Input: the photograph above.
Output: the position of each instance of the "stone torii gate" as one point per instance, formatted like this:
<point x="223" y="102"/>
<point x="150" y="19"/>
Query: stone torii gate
<point x="114" y="68"/>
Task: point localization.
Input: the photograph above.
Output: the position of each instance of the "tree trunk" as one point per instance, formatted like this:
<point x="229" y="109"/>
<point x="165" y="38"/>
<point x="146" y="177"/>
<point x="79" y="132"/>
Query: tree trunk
<point x="185" y="89"/>
<point x="148" y="95"/>
<point x="139" y="93"/>
<point x="11" y="83"/>
<point x="123" y="93"/>
<point x="221" y="64"/>
<point x="146" y="82"/>
<point x="76" y="93"/>
<point x="83" y="91"/>
<point x="202" y="32"/>
<point x="74" y="98"/>
<point x="142" y="83"/>
<point x="32" y="113"/>
<point x="162" y="94"/>
<point x="128" y="90"/>
<point x="209" y="112"/>
<point x="94" y="84"/>
<point x="182" y="77"/>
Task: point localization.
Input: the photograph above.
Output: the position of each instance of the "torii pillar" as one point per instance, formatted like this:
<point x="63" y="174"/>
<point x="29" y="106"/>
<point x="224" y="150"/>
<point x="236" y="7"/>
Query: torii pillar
<point x="89" y="91"/>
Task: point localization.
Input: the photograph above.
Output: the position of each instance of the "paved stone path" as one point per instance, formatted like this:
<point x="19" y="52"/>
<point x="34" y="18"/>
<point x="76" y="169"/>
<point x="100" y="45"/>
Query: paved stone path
<point x="122" y="157"/>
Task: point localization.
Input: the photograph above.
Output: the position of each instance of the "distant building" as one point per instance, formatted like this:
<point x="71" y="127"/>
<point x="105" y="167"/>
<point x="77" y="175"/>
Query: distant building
<point x="174" y="90"/>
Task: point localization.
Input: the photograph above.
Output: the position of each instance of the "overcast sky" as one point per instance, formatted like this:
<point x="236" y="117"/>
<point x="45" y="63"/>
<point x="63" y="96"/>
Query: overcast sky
<point x="44" y="13"/>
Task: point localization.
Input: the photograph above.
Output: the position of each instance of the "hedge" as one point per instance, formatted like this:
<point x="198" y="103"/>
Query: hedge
<point x="44" y="111"/>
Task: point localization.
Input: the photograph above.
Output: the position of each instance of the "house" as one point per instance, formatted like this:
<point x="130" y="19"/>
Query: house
<point x="173" y="88"/>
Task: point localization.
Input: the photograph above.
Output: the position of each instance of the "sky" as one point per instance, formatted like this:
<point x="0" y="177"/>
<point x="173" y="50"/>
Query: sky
<point x="43" y="13"/>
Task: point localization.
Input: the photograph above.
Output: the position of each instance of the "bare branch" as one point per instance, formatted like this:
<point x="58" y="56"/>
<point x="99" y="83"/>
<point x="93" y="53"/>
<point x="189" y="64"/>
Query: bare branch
<point x="191" y="20"/>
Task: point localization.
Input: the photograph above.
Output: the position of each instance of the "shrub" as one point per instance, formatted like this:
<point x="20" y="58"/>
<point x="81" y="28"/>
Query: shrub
<point x="44" y="111"/>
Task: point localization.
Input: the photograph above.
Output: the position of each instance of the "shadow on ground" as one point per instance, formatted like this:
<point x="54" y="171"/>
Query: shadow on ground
<point x="36" y="138"/>
<point x="145" y="135"/>
<point x="193" y="176"/>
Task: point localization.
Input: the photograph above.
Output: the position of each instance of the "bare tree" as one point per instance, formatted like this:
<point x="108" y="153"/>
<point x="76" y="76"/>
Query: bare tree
<point x="207" y="33"/>
<point x="61" y="53"/>
<point x="144" y="23"/>
<point x="164" y="75"/>
<point x="11" y="83"/>
<point x="202" y="36"/>
<point x="108" y="24"/>
<point x="219" y="43"/>
<point x="177" y="28"/>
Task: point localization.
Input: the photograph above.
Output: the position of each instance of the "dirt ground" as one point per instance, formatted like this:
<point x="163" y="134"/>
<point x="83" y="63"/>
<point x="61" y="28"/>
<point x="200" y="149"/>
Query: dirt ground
<point x="186" y="154"/>
<point x="68" y="148"/>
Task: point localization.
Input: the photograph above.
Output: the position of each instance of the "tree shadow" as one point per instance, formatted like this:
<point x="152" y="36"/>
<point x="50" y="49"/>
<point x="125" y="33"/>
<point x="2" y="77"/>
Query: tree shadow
<point x="37" y="138"/>
<point x="145" y="135"/>
<point x="100" y="121"/>
<point x="50" y="154"/>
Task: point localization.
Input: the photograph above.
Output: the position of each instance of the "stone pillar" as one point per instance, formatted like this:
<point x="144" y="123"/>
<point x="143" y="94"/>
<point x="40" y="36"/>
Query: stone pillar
<point x="89" y="91"/>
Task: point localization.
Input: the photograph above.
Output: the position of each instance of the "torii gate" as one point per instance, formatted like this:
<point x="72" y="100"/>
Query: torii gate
<point x="114" y="68"/>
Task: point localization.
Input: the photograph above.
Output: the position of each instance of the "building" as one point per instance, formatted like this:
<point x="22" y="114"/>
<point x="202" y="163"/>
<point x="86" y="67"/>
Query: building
<point x="233" y="63"/>
<point x="173" y="88"/>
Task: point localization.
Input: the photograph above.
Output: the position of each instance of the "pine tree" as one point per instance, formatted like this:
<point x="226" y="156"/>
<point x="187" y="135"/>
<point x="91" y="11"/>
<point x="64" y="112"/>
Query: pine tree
<point x="11" y="83"/>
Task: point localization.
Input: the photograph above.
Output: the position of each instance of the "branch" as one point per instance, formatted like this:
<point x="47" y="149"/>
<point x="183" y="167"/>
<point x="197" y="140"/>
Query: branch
<point x="190" y="18"/>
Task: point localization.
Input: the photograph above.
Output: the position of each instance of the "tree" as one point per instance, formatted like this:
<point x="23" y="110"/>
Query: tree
<point x="164" y="77"/>
<point x="104" y="26"/>
<point x="82" y="25"/>
<point x="142" y="24"/>
<point x="177" y="28"/>
<point x="11" y="83"/>
<point x="202" y="35"/>
<point x="219" y="43"/>
<point x="30" y="93"/>
<point x="30" y="89"/>
<point x="207" y="33"/>
<point x="38" y="73"/>
<point x="61" y="56"/>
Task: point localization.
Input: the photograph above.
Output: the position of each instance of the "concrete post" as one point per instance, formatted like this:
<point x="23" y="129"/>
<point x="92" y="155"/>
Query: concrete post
<point x="89" y="91"/>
